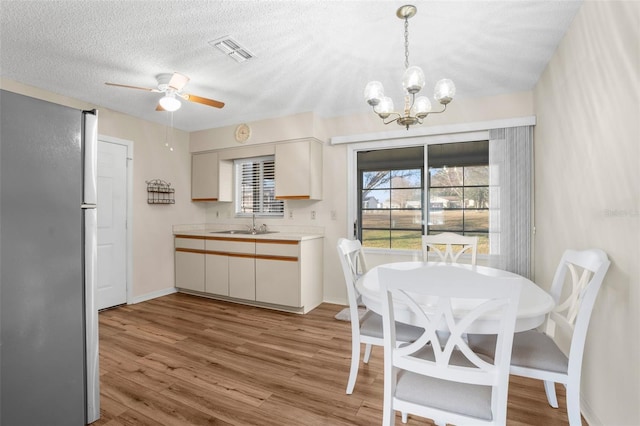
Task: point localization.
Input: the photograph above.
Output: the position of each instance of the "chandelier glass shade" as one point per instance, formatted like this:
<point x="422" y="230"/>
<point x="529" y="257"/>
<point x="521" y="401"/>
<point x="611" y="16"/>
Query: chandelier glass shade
<point x="415" y="109"/>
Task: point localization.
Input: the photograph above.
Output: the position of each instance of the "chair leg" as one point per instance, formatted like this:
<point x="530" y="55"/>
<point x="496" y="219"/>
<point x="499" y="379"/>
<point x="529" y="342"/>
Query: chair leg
<point x="388" y="416"/>
<point x="573" y="404"/>
<point x="355" y="363"/>
<point x="550" y="390"/>
<point x="367" y="353"/>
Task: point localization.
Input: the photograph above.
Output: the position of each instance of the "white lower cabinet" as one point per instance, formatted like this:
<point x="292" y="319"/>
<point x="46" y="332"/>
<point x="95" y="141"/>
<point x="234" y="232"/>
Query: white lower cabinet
<point x="242" y="278"/>
<point x="281" y="274"/>
<point x="278" y="272"/>
<point x="289" y="273"/>
<point x="278" y="282"/>
<point x="189" y="263"/>
<point x="216" y="274"/>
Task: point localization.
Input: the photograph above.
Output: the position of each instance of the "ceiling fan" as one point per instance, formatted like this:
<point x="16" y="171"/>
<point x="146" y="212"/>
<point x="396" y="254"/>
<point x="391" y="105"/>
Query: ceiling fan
<point x="171" y="85"/>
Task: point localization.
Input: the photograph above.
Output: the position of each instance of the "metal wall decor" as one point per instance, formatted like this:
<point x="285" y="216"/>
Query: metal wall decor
<point x="160" y="192"/>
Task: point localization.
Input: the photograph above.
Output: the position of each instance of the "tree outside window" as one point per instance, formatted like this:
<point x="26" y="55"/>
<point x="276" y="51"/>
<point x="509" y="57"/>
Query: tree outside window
<point x="391" y="208"/>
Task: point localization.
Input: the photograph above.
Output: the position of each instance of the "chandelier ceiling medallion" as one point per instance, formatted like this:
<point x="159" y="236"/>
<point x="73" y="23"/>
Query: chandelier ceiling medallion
<point x="415" y="109"/>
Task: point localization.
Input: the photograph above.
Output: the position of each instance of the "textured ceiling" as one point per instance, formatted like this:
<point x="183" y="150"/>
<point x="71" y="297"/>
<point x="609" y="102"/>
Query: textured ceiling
<point x="310" y="55"/>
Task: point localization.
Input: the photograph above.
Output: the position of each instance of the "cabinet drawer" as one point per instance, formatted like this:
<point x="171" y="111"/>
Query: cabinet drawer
<point x="280" y="248"/>
<point x="190" y="243"/>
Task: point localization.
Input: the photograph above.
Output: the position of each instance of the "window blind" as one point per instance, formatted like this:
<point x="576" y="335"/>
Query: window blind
<point x="257" y="189"/>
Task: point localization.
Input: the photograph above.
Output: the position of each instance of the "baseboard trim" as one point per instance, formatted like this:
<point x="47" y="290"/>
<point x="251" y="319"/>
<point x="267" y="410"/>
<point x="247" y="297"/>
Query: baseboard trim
<point x="153" y="295"/>
<point x="332" y="301"/>
<point x="290" y="309"/>
<point x="588" y="414"/>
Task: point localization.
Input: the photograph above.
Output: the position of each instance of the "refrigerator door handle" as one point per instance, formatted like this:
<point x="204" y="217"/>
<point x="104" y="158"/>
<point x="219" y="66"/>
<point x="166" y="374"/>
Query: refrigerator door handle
<point x="90" y="156"/>
<point x="91" y="314"/>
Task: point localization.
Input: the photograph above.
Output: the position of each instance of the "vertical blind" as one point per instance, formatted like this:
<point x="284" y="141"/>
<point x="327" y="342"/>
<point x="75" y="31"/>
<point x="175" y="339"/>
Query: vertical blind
<point x="256" y="188"/>
<point x="511" y="193"/>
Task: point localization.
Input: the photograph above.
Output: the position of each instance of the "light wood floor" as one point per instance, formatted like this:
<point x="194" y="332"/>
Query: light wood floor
<point x="180" y="360"/>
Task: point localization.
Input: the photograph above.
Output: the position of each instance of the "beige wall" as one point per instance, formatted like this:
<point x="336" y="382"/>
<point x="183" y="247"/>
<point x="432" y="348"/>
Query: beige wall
<point x="152" y="233"/>
<point x="587" y="194"/>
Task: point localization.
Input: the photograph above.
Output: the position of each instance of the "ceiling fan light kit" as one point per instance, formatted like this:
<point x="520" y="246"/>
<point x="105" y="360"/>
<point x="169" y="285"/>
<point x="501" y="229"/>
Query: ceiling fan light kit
<point x="415" y="109"/>
<point x="172" y="85"/>
<point x="169" y="102"/>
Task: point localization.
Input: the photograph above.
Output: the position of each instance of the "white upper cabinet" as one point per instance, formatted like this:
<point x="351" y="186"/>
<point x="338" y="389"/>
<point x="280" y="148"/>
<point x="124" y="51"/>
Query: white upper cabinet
<point x="211" y="179"/>
<point x="299" y="170"/>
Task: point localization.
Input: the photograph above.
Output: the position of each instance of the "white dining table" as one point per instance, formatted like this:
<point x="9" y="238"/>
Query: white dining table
<point x="533" y="305"/>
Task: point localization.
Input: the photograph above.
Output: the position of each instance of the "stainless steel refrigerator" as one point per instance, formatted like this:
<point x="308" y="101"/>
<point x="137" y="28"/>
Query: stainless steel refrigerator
<point x="48" y="255"/>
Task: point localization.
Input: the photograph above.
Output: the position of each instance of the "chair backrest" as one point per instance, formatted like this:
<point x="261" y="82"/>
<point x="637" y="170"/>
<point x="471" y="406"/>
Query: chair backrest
<point x="433" y="303"/>
<point x="353" y="265"/>
<point x="434" y="244"/>
<point x="575" y="295"/>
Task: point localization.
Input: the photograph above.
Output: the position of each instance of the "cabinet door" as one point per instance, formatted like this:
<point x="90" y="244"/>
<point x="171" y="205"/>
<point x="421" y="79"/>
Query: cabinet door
<point x="189" y="263"/>
<point x="299" y="170"/>
<point x="217" y="274"/>
<point x="278" y="282"/>
<point x="204" y="177"/>
<point x="189" y="270"/>
<point x="242" y="277"/>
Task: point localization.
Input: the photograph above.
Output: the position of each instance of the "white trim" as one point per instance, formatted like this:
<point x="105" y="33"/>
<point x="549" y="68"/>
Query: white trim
<point x="588" y="413"/>
<point x="129" y="145"/>
<point x="153" y="295"/>
<point x="436" y="130"/>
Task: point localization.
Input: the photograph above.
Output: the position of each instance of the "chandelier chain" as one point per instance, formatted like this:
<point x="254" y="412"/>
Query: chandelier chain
<point x="406" y="43"/>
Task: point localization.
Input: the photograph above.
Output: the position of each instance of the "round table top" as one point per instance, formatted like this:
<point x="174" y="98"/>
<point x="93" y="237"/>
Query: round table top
<point x="533" y="305"/>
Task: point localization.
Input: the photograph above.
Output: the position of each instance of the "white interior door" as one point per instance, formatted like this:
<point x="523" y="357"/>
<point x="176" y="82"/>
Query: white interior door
<point x="112" y="224"/>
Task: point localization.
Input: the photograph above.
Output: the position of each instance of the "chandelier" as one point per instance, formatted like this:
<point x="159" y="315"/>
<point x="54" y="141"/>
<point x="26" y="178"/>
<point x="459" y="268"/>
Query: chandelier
<point x="415" y="109"/>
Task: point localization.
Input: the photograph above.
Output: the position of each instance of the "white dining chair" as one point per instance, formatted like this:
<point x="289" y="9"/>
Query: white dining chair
<point x="575" y="286"/>
<point x="433" y="244"/>
<point x="368" y="329"/>
<point x="438" y="377"/>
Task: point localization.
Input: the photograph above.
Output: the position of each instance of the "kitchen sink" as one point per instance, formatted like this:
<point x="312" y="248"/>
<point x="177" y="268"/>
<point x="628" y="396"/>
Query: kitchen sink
<point x="244" y="232"/>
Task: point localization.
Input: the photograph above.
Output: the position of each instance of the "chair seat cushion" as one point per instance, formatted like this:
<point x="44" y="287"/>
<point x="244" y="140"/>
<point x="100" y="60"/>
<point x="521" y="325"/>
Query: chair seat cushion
<point x="462" y="398"/>
<point x="531" y="349"/>
<point x="371" y="326"/>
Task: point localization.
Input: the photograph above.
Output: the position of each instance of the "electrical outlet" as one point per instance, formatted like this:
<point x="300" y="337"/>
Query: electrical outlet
<point x="334" y="215"/>
<point x="290" y="214"/>
<point x="217" y="214"/>
<point x="313" y="215"/>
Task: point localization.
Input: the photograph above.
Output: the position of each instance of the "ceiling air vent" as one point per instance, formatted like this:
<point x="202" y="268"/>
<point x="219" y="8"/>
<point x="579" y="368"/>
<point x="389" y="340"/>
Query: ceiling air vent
<point x="232" y="49"/>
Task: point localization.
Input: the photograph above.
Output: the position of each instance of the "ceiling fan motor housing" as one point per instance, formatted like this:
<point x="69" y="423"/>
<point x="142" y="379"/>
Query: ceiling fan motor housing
<point x="163" y="81"/>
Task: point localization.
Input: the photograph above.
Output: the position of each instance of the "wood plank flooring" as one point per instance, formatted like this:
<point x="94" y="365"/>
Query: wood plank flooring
<point x="186" y="360"/>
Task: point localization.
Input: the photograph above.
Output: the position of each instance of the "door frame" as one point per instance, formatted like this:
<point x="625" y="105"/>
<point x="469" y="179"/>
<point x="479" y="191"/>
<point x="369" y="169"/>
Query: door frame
<point x="129" y="220"/>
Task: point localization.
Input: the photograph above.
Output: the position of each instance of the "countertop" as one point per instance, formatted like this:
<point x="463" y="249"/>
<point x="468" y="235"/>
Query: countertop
<point x="288" y="233"/>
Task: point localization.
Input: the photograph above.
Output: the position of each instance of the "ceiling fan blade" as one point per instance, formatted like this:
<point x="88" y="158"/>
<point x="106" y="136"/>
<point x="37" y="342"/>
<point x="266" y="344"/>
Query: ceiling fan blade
<point x="178" y="81"/>
<point x="159" y="108"/>
<point x="132" y="87"/>
<point x="201" y="100"/>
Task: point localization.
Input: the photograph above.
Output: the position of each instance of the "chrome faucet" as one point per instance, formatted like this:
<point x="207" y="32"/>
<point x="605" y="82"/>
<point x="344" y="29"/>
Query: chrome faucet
<point x="252" y="227"/>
